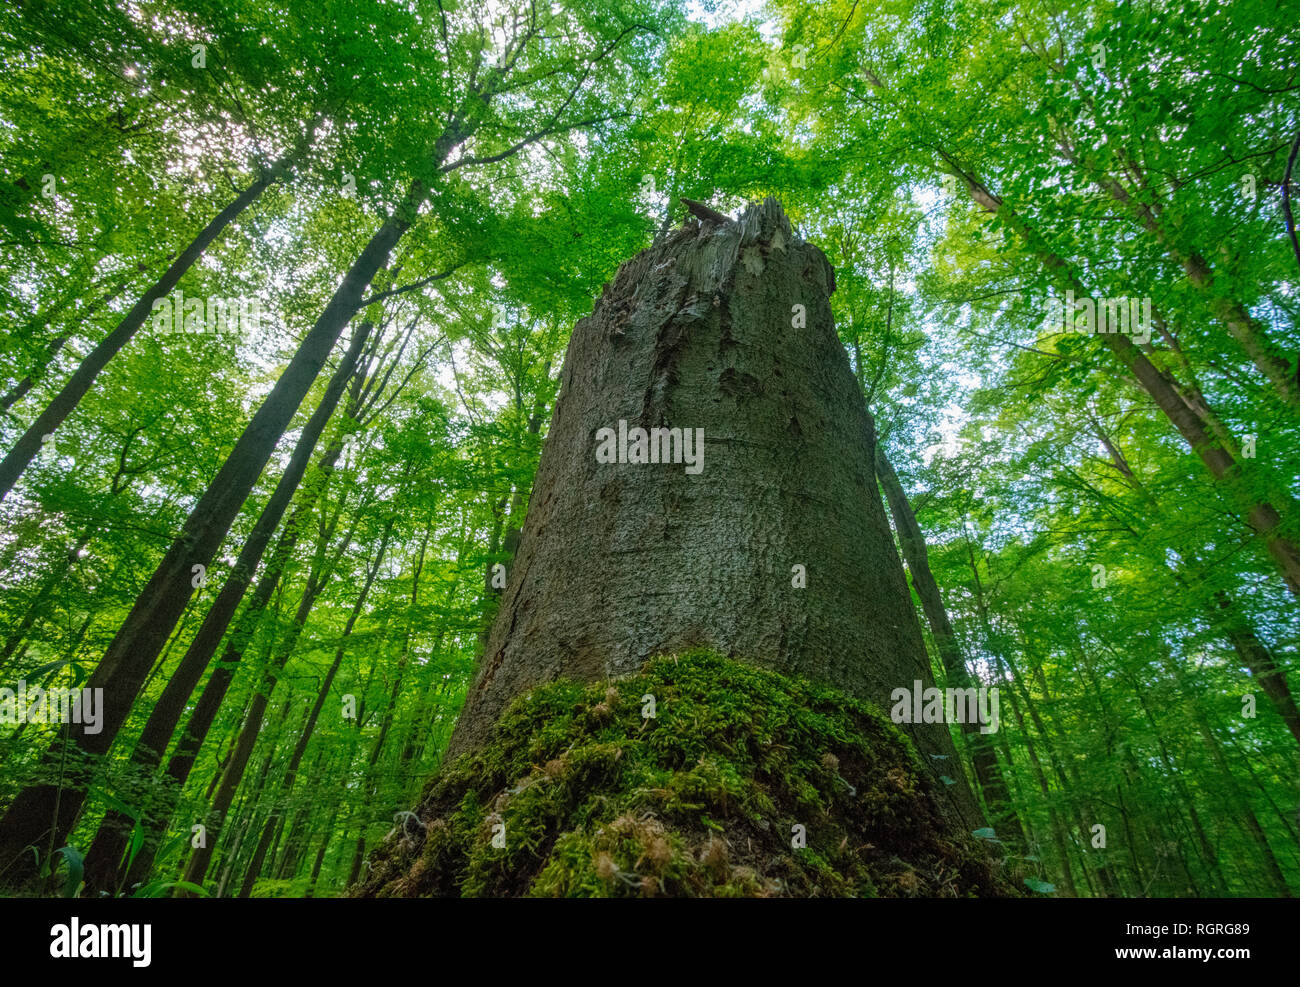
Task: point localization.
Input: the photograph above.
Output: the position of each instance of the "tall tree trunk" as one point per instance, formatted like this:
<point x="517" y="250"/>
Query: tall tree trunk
<point x="1246" y="814"/>
<point x="1266" y="519"/>
<point x="724" y="328"/>
<point x="33" y="815"/>
<point x="52" y="349"/>
<point x="1223" y="613"/>
<point x="1058" y="736"/>
<point x="1002" y="661"/>
<point x="110" y="841"/>
<point x="1058" y="829"/>
<point x="291" y="772"/>
<point x="196" y="870"/>
<point x="390" y="709"/>
<point x="247" y="810"/>
<point x="66" y="401"/>
<point x="912" y="541"/>
<point x="55" y="576"/>
<point x="1248" y="331"/>
<point x="1257" y="657"/>
<point x="1209" y="855"/>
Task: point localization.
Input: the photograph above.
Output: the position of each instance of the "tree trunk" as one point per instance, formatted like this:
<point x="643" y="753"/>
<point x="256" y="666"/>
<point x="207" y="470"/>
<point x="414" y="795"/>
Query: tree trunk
<point x="1248" y="331"/>
<point x="724" y="328"/>
<point x="43" y="808"/>
<point x="371" y="784"/>
<point x="252" y="725"/>
<point x="56" y="576"/>
<point x="66" y="401"/>
<point x="291" y="772"/>
<point x="110" y="841"/>
<point x="912" y="541"/>
<point x="1268" y="521"/>
<point x="55" y="345"/>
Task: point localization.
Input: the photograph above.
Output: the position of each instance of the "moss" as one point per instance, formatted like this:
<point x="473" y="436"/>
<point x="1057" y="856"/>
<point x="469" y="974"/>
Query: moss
<point x="280" y="888"/>
<point x="700" y="800"/>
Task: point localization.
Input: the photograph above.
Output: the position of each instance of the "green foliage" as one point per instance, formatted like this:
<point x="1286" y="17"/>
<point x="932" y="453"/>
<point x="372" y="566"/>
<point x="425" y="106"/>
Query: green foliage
<point x="960" y="162"/>
<point x="75" y="869"/>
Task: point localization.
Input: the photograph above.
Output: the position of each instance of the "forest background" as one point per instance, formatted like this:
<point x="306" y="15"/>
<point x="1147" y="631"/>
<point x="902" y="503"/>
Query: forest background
<point x="422" y="199"/>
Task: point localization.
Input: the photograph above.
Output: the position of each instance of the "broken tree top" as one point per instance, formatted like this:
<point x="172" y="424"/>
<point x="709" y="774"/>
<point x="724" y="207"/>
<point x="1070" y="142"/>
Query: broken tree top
<point x="765" y="540"/>
<point x="700" y="211"/>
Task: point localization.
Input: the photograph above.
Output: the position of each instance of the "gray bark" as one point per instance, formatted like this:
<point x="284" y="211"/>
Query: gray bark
<point x="619" y="562"/>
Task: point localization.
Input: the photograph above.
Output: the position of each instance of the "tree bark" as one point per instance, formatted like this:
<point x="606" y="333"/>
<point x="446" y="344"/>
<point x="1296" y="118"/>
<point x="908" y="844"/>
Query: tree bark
<point x="1248" y="331"/>
<point x="619" y="562"/>
<point x="43" y="809"/>
<point x="912" y="541"/>
<point x="300" y="748"/>
<point x="1264" y="518"/>
<point x="52" y="349"/>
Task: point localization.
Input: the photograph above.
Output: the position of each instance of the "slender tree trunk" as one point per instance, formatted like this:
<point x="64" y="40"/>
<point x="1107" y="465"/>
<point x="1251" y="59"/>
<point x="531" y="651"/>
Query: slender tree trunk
<point x="196" y="870"/>
<point x="110" y="841"/>
<point x="1223" y="614"/>
<point x="418" y="732"/>
<point x="291" y="773"/>
<point x="129" y="657"/>
<point x="248" y="806"/>
<point x="1246" y="814"/>
<point x="33" y="612"/>
<point x="1263" y="517"/>
<point x="52" y="349"/>
<point x="1209" y="855"/>
<point x="1004" y="662"/>
<point x="1064" y="767"/>
<point x="1256" y="657"/>
<point x="66" y="401"/>
<point x="1248" y="331"/>
<point x="1058" y="829"/>
<point x="376" y="750"/>
<point x="912" y="541"/>
<point x="320" y="855"/>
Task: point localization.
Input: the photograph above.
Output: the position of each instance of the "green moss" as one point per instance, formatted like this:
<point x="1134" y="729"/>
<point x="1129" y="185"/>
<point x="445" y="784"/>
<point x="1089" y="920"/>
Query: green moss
<point x="700" y="800"/>
<point x="278" y="888"/>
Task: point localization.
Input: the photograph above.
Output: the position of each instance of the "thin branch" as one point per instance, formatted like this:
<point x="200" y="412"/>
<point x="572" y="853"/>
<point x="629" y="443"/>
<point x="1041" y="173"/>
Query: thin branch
<point x="440" y="276"/>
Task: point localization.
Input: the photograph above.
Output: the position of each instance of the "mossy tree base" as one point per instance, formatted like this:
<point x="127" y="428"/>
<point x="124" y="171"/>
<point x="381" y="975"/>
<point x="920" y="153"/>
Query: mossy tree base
<point x="578" y="794"/>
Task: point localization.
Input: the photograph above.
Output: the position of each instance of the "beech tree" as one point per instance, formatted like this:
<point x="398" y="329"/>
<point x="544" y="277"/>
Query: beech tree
<point x="377" y="591"/>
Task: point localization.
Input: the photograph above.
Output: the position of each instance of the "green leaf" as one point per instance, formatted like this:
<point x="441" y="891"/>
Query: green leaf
<point x="52" y="666"/>
<point x="117" y="804"/>
<point x="76" y="867"/>
<point x="1042" y="887"/>
<point x="137" y="841"/>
